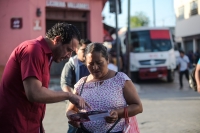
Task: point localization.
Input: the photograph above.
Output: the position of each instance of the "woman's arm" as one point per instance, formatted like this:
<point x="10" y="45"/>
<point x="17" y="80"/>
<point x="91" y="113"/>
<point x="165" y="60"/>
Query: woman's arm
<point x="71" y="109"/>
<point x="134" y="104"/>
<point x="197" y="77"/>
<point x="132" y="99"/>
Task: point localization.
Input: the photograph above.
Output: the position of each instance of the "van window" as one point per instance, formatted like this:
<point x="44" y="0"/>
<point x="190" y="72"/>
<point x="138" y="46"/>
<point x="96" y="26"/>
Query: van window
<point x="142" y="42"/>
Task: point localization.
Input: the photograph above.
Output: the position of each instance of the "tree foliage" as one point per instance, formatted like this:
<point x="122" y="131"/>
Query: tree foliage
<point x="138" y="20"/>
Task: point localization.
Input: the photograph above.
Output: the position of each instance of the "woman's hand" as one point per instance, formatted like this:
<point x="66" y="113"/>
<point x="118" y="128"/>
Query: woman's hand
<point x="73" y="123"/>
<point x="113" y="117"/>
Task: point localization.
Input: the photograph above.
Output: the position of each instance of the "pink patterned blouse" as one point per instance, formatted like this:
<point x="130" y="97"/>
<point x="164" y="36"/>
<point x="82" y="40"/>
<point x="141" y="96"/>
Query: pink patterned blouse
<point x="105" y="96"/>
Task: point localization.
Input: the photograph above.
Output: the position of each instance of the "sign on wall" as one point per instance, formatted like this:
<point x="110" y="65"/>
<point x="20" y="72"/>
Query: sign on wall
<point x="16" y="23"/>
<point x="37" y="25"/>
<point x="82" y="6"/>
<point x="55" y="3"/>
<point x="70" y="5"/>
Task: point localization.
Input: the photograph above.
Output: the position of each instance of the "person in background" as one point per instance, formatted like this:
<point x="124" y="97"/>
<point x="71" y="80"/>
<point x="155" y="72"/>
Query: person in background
<point x="113" y="52"/>
<point x="74" y="70"/>
<point x="197" y="55"/>
<point x="191" y="57"/>
<point x="111" y="64"/>
<point x="105" y="89"/>
<point x="24" y="86"/>
<point x="183" y="62"/>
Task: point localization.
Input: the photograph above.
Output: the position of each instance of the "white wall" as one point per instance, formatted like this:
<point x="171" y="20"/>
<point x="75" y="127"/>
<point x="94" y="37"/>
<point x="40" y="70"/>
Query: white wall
<point x="190" y="25"/>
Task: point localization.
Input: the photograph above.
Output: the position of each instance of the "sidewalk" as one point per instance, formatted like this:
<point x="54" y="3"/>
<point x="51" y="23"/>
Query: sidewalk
<point x="55" y="120"/>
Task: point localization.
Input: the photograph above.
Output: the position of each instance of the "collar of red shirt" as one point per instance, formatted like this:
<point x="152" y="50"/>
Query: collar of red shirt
<point x="44" y="44"/>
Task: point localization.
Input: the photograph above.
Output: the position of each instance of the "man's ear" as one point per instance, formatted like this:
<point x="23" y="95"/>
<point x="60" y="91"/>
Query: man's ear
<point x="57" y="39"/>
<point x="76" y="50"/>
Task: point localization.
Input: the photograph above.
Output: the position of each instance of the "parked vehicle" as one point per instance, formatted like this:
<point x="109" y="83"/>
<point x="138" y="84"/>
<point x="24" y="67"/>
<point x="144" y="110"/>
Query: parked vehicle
<point x="151" y="53"/>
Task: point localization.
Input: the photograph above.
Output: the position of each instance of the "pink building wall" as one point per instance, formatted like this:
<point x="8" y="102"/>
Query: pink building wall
<point x="26" y="9"/>
<point x="96" y="26"/>
<point x="10" y="38"/>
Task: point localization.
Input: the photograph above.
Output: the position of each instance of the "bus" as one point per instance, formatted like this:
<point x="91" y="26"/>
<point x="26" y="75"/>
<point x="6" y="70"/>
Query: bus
<point x="151" y="53"/>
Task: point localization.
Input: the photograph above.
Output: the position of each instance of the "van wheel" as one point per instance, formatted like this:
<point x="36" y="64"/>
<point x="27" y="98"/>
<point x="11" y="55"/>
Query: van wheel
<point x="170" y="76"/>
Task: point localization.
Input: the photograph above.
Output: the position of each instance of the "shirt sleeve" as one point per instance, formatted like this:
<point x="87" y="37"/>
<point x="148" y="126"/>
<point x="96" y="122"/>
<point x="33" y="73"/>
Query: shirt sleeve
<point x="124" y="78"/>
<point x="31" y="61"/>
<point x="67" y="75"/>
<point x="78" y="85"/>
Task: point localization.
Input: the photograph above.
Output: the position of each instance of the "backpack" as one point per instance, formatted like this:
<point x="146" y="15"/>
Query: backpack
<point x="192" y="81"/>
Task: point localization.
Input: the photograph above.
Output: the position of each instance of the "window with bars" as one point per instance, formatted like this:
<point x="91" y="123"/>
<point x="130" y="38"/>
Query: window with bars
<point x="194" y="7"/>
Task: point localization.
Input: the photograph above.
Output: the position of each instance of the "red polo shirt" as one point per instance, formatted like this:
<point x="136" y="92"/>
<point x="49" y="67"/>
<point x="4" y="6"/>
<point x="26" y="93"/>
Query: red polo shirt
<point x="17" y="114"/>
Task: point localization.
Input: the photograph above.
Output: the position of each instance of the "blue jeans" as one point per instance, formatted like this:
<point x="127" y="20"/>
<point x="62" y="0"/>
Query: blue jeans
<point x="71" y="129"/>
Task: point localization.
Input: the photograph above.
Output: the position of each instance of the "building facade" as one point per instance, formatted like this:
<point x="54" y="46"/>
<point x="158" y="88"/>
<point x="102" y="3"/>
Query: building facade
<point x="187" y="29"/>
<point x="27" y="19"/>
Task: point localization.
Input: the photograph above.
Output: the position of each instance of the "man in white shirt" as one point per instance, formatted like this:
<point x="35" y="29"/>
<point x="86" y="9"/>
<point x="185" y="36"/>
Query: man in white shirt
<point x="183" y="67"/>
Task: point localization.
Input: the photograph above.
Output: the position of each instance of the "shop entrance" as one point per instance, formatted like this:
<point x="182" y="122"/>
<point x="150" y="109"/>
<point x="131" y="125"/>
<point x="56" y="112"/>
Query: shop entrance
<point x="81" y="26"/>
<point x="77" y="18"/>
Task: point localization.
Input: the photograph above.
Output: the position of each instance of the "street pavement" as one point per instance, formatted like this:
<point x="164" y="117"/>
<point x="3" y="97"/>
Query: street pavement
<point x="166" y="109"/>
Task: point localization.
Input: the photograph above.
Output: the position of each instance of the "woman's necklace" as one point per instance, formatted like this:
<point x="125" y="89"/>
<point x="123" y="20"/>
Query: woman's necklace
<point x="100" y="80"/>
<point x="105" y="76"/>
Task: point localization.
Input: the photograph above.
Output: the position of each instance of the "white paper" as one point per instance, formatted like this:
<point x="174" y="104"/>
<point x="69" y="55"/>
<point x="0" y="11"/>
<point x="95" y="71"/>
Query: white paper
<point x="100" y="116"/>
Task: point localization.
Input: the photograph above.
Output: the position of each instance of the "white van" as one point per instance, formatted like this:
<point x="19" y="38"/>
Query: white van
<point x="151" y="53"/>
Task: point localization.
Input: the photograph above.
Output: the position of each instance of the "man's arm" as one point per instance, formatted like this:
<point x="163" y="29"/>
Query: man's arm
<point x="35" y="92"/>
<point x="197" y="77"/>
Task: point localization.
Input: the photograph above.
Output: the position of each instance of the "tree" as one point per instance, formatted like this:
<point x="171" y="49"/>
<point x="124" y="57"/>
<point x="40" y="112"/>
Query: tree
<point x="138" y="20"/>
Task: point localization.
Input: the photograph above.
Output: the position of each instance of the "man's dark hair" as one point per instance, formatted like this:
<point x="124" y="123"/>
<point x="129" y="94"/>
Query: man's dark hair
<point x="84" y="41"/>
<point x="181" y="51"/>
<point x="66" y="31"/>
<point x="97" y="47"/>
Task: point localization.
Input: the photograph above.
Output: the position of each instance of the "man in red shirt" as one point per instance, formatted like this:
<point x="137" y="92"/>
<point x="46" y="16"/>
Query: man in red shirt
<point x="23" y="88"/>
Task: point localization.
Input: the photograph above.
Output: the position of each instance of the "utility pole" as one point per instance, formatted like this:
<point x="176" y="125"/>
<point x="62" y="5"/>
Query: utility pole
<point x="128" y="42"/>
<point x="154" y="15"/>
<point x="116" y="32"/>
<point x="115" y="7"/>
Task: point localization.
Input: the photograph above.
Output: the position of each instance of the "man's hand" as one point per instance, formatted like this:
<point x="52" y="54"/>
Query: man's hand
<point x="78" y="101"/>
